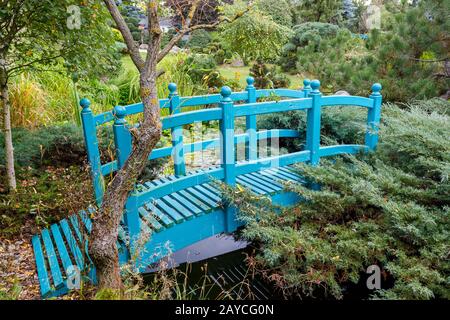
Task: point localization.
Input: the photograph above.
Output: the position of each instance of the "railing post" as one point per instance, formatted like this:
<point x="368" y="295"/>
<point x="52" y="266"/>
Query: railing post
<point x="313" y="123"/>
<point x="251" y="146"/>
<point x="122" y="136"/>
<point x="93" y="153"/>
<point x="227" y="149"/>
<point x="177" y="133"/>
<point x="306" y="87"/>
<point x="373" y="117"/>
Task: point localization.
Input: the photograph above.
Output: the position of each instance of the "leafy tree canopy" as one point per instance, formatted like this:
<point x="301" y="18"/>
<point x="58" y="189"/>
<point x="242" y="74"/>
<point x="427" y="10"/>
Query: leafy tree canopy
<point x="39" y="34"/>
<point x="279" y="10"/>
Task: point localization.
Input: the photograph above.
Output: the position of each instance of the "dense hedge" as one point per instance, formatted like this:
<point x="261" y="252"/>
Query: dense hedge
<point x="61" y="146"/>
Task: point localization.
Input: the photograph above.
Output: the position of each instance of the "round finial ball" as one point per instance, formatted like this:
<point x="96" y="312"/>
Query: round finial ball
<point x="120" y="111"/>
<point x="85" y="103"/>
<point x="376" y="87"/>
<point x="172" y="87"/>
<point x="226" y="91"/>
<point x="315" y="84"/>
<point x="250" y="81"/>
<point x="306" y="82"/>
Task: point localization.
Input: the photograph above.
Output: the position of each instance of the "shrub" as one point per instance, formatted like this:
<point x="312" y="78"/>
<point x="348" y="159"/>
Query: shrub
<point x="407" y="57"/>
<point x="305" y="34"/>
<point x="266" y="77"/>
<point x="200" y="65"/>
<point x="254" y="35"/>
<point x="199" y="39"/>
<point x="280" y="11"/>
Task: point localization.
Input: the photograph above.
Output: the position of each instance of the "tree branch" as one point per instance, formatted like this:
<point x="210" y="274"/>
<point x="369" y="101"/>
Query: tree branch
<point x="133" y="47"/>
<point x="427" y="60"/>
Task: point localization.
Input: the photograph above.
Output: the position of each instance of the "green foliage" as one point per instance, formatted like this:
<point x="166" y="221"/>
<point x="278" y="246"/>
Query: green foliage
<point x="340" y="124"/>
<point x="44" y="195"/>
<point x="200" y="65"/>
<point x="407" y="56"/>
<point x="266" y="77"/>
<point x="254" y="35"/>
<point x="49" y="145"/>
<point x="306" y="37"/>
<point x="280" y="11"/>
<point x="39" y="37"/>
<point x="330" y="11"/>
<point x="199" y="39"/>
<point x="219" y="50"/>
<point x="12" y="293"/>
<point x="389" y="208"/>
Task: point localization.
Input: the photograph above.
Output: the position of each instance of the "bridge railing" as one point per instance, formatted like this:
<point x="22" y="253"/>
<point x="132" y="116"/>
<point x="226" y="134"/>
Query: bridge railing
<point x="309" y="99"/>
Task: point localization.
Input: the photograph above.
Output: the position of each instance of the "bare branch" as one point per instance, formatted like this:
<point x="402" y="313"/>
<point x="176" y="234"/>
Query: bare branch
<point x="133" y="47"/>
<point x="160" y="73"/>
<point x="155" y="33"/>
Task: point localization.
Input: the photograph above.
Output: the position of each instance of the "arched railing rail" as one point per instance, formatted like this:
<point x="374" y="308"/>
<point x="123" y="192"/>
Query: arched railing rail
<point x="225" y="111"/>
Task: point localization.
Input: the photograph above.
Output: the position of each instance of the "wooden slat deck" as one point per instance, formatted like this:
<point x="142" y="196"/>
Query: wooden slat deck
<point x="64" y="244"/>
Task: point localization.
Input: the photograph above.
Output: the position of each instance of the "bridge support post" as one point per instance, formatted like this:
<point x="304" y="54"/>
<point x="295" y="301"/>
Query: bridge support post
<point x="228" y="152"/>
<point x="251" y="147"/>
<point x="313" y="123"/>
<point x="93" y="153"/>
<point x="122" y="136"/>
<point x="177" y="133"/>
<point x="306" y="87"/>
<point x="373" y="117"/>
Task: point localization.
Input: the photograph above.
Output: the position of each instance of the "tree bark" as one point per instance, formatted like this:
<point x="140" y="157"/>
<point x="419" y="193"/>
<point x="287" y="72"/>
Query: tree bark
<point x="9" y="149"/>
<point x="102" y="243"/>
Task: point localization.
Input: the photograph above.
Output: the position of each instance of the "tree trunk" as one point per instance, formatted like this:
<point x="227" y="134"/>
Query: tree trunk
<point x="102" y="243"/>
<point x="9" y="150"/>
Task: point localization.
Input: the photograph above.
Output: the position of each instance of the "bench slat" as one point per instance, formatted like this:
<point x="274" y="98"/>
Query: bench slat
<point x="147" y="216"/>
<point x="63" y="254"/>
<point x="161" y="217"/>
<point x="52" y="259"/>
<point x="40" y="266"/>
<point x="252" y="185"/>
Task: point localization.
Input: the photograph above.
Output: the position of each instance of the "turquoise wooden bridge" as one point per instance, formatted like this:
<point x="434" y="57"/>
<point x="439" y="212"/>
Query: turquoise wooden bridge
<point x="181" y="209"/>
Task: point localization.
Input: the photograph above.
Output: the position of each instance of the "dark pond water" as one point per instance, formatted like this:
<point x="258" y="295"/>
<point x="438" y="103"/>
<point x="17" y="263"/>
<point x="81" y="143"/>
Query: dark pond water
<point x="215" y="268"/>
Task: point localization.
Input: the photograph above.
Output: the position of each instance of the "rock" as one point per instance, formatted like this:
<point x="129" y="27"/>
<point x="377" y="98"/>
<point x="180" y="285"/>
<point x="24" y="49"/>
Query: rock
<point x="342" y="93"/>
<point x="237" y="63"/>
<point x="175" y="49"/>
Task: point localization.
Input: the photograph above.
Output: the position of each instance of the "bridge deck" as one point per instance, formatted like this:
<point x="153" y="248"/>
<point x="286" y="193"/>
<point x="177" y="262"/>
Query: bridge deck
<point x="63" y="245"/>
